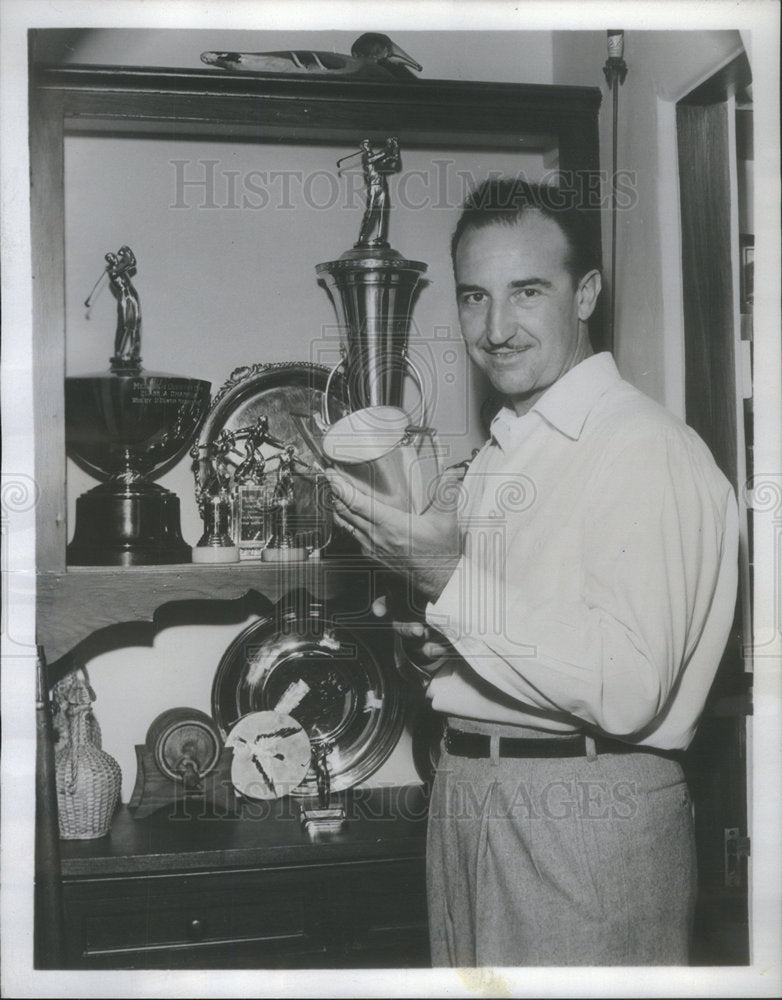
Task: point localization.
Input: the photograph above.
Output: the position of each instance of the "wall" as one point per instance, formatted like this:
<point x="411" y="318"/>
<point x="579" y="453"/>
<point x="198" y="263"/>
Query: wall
<point x="663" y="66"/>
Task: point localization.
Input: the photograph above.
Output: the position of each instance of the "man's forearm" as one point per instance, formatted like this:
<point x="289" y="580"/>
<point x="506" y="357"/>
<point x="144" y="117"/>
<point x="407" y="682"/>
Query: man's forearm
<point x="430" y="579"/>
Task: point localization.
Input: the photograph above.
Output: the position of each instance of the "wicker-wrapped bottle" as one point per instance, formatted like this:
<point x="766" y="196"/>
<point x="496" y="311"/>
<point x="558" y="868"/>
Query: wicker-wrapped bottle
<point x="88" y="780"/>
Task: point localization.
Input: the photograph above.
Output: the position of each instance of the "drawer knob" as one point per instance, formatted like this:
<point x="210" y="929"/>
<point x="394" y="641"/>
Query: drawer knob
<point x="196" y="929"/>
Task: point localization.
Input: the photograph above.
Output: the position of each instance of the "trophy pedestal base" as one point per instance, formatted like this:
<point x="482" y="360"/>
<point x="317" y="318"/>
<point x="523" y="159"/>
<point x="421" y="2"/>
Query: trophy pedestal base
<point x="121" y="524"/>
<point x="319" y="821"/>
<point x="215" y="554"/>
<point x="291" y="554"/>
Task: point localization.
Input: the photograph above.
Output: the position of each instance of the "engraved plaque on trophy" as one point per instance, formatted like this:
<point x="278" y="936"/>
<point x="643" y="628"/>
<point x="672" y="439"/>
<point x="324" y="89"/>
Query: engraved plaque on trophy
<point x="253" y="519"/>
<point x="125" y="426"/>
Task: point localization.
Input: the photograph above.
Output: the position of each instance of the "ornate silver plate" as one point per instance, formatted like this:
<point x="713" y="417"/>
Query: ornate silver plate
<point x="286" y="394"/>
<point x="333" y="680"/>
<point x="281" y="392"/>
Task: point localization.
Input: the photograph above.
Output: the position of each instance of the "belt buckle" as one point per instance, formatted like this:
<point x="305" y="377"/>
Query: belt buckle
<point x="474" y="746"/>
<point x="450" y="739"/>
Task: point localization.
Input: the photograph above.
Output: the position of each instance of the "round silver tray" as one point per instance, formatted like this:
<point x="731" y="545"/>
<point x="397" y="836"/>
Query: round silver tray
<point x="280" y="391"/>
<point x="287" y="394"/>
<point x="331" y="679"/>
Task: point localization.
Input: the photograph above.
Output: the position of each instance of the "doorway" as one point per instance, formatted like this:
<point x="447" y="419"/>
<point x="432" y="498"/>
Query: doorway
<point x="714" y="137"/>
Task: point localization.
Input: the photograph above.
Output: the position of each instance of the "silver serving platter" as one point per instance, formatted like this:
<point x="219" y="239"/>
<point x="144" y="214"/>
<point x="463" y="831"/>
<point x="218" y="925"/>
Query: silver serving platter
<point x="286" y="394"/>
<point x="280" y="391"/>
<point x="332" y="679"/>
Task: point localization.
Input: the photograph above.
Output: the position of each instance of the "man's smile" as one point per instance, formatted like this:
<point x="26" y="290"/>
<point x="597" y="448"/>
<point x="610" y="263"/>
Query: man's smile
<point x="501" y="354"/>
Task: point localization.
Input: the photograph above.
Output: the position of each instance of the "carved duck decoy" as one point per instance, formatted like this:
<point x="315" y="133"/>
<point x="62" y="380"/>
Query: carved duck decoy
<point x="372" y="55"/>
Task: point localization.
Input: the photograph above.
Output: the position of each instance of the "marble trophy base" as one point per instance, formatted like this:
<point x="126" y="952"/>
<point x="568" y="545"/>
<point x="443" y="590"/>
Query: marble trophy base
<point x="214" y="554"/>
<point x="287" y="553"/>
<point x="127" y="524"/>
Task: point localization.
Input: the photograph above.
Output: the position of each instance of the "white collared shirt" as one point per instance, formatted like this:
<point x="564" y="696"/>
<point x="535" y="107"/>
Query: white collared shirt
<point x="598" y="574"/>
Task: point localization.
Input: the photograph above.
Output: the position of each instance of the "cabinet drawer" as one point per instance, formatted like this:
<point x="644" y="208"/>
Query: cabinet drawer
<point x="359" y="914"/>
<point x="193" y="920"/>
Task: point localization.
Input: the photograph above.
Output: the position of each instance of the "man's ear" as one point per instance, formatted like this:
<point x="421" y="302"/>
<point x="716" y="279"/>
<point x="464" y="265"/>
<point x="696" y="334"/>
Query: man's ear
<point x="587" y="293"/>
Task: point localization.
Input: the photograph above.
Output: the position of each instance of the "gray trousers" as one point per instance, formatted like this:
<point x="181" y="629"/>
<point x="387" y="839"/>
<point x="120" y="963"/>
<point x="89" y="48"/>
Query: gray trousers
<point x="571" y="861"/>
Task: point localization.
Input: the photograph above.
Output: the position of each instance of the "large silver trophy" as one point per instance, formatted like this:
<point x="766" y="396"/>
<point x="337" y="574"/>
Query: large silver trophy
<point x="373" y="288"/>
<point x="123" y="426"/>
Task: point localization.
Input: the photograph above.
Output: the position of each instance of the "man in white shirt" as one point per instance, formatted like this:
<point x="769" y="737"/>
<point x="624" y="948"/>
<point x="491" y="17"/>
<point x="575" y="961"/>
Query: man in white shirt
<point x="579" y="603"/>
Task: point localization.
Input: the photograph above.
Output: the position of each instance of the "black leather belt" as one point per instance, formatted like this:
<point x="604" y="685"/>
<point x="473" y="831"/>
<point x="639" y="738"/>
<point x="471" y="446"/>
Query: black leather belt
<point x="477" y="745"/>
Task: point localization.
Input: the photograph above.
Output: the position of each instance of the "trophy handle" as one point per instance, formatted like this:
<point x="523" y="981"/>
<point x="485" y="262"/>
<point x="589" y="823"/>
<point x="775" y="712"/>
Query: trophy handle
<point x="423" y="420"/>
<point x="414" y="371"/>
<point x="324" y="403"/>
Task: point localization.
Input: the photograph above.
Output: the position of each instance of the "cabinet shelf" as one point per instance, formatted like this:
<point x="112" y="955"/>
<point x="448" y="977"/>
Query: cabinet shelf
<point x="74" y="605"/>
<point x="382" y="822"/>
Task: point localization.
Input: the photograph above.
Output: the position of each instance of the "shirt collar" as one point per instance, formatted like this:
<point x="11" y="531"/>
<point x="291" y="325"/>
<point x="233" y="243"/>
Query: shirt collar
<point x="567" y="403"/>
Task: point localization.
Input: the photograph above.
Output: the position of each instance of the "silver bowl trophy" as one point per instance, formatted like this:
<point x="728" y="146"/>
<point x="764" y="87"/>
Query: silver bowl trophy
<point x="123" y="427"/>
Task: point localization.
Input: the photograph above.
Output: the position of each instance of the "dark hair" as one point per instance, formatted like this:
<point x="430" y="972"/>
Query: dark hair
<point x="505" y="200"/>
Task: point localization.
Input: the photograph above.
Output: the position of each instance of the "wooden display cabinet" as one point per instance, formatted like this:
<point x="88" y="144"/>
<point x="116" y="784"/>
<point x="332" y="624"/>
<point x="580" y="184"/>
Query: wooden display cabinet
<point x="215" y="893"/>
<point x="247" y="892"/>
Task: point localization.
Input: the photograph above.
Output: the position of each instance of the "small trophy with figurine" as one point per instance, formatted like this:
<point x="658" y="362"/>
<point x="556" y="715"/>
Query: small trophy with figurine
<point x="325" y="818"/>
<point x="249" y="488"/>
<point x="233" y="493"/>
<point x="252" y="489"/>
<point x="216" y="506"/>
<point x="284" y="544"/>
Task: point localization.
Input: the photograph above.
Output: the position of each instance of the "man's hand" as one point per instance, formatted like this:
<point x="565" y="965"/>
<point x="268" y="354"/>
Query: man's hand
<point x="425" y="547"/>
<point x="418" y="645"/>
<point x="421" y="646"/>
